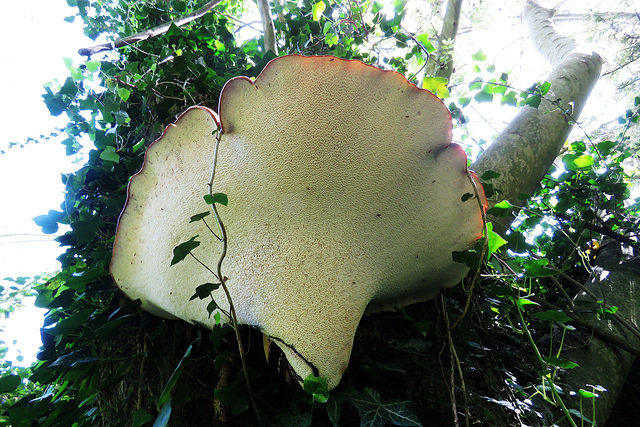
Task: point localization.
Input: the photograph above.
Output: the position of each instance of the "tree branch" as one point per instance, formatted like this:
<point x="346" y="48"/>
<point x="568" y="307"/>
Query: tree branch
<point x="267" y="26"/>
<point x="150" y="33"/>
<point x="442" y="66"/>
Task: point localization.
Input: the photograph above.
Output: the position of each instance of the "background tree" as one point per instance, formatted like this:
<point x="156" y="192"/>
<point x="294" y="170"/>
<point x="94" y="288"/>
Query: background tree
<point x="490" y="356"/>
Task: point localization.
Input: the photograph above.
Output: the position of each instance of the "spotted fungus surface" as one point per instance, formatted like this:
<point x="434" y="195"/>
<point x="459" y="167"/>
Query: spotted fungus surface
<point x="345" y="196"/>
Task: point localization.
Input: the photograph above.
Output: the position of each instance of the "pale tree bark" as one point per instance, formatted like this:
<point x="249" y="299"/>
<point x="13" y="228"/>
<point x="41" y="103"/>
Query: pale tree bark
<point x="522" y="154"/>
<point x="268" y="28"/>
<point x="441" y="64"/>
<point x="616" y="281"/>
<point x="525" y="150"/>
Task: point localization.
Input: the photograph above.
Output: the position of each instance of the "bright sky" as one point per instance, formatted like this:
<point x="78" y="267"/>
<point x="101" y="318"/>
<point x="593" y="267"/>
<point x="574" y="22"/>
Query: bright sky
<point x="36" y="39"/>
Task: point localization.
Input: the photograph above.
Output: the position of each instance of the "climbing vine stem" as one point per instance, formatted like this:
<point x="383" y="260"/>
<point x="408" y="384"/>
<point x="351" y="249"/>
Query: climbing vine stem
<point x="223" y="254"/>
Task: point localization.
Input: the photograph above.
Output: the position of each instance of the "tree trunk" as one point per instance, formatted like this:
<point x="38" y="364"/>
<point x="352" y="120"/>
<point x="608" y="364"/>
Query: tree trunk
<point x="522" y="154"/>
<point x="525" y="150"/>
<point x="269" y="32"/>
<point x="442" y="64"/>
<point x="616" y="281"/>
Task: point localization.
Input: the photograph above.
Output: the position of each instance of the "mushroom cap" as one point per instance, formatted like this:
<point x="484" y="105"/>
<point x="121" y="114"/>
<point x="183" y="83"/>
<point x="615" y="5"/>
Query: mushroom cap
<point x="345" y="193"/>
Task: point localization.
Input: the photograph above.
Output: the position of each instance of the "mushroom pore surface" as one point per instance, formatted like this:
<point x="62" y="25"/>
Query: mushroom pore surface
<point x="345" y="195"/>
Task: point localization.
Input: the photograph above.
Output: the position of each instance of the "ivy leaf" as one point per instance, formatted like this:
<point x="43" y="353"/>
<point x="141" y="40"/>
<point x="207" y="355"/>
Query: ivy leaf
<point x="49" y="222"/>
<point x="469" y="257"/>
<point x="479" y="56"/>
<point x="538" y="268"/>
<point x="522" y="302"/>
<point x="374" y="413"/>
<point x="211" y="307"/>
<point x="331" y="39"/>
<point x="560" y="363"/>
<point x="509" y="99"/>
<point x="552" y="316"/>
<point x="370" y="408"/>
<point x="109" y="154"/>
<point x="199" y="216"/>
<point x="221" y="198"/>
<point x="502" y="208"/>
<point x="317" y="387"/>
<point x="437" y="86"/>
<point x="483" y="96"/>
<point x="489" y="175"/>
<point x="400" y="415"/>
<point x="317" y="9"/>
<point x="9" y="383"/>
<point x="204" y="291"/>
<point x="181" y="251"/>
<point x="494" y="242"/>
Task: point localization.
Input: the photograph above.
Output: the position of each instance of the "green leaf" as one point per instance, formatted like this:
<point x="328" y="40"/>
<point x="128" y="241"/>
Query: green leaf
<point x="479" y="56"/>
<point x="476" y="84"/>
<point x="489" y="175"/>
<point x="317" y="9"/>
<point x="166" y="393"/>
<point x="374" y="413"/>
<point x="181" y="251"/>
<point x="211" y="307"/>
<point x="49" y="222"/>
<point x="316" y="387"/>
<point x="334" y="409"/>
<point x="483" y="96"/>
<point x="423" y="39"/>
<point x="509" y="99"/>
<point x="138" y="145"/>
<point x="494" y="242"/>
<point x="544" y="88"/>
<point x="560" y="363"/>
<point x="141" y="417"/>
<point x="199" y="216"/>
<point x="605" y="147"/>
<point x="466" y="196"/>
<point x="436" y="85"/>
<point x="9" y="383"/>
<point x="370" y="408"/>
<point x="538" y="268"/>
<point x="109" y="154"/>
<point x="221" y="198"/>
<point x="234" y="395"/>
<point x="92" y="66"/>
<point x="502" y="208"/>
<point x="583" y="162"/>
<point x="552" y="316"/>
<point x="124" y="93"/>
<point x="331" y="39"/>
<point x="470" y="258"/>
<point x="164" y="415"/>
<point x="204" y="291"/>
<point x="522" y="302"/>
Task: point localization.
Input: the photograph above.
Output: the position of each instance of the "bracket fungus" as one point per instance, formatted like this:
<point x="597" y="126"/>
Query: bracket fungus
<point x="345" y="194"/>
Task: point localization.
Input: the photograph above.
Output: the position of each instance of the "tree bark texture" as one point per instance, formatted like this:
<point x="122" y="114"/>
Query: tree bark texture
<point x="526" y="149"/>
<point x="442" y="65"/>
<point x="268" y="28"/>
<point x="616" y="281"/>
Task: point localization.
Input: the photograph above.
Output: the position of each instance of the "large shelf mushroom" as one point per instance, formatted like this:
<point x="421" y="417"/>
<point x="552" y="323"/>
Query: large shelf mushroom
<point x="345" y="193"/>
